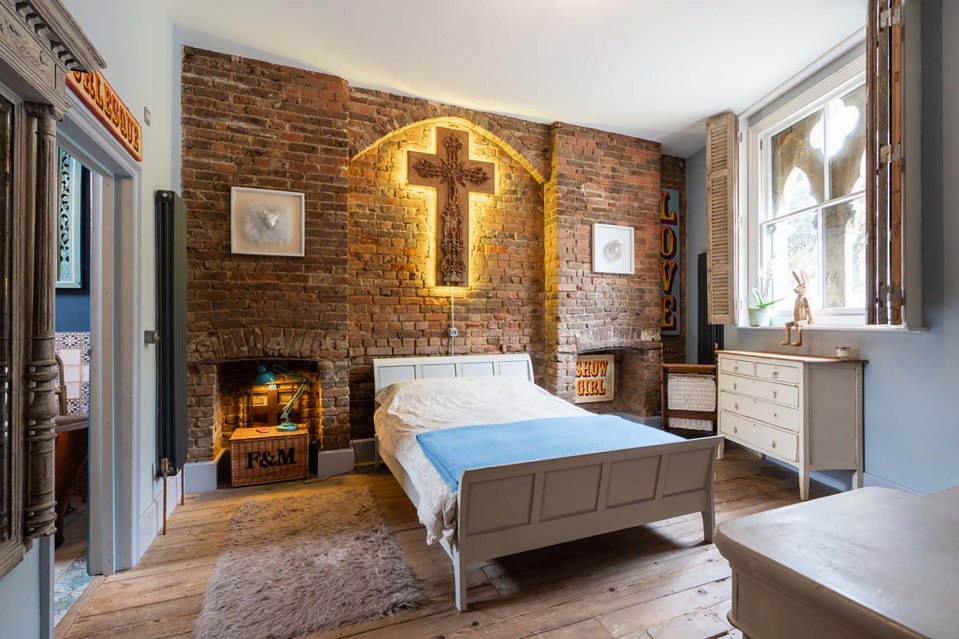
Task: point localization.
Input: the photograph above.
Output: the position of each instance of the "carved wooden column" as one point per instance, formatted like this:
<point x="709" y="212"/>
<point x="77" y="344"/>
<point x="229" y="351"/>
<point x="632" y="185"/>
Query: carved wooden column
<point x="42" y="365"/>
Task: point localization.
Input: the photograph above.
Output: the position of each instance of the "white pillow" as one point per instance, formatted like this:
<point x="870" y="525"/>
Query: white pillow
<point x="418" y="389"/>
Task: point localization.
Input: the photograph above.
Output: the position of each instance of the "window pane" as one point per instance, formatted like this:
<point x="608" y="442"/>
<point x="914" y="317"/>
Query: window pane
<point x="844" y="254"/>
<point x="846" y="143"/>
<point x="798" y="173"/>
<point x="792" y="245"/>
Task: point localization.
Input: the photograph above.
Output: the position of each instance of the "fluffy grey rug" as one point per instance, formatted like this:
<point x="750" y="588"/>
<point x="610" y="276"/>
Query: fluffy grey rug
<point x="304" y="564"/>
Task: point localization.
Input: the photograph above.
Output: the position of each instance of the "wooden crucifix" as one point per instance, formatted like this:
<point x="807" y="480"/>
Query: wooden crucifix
<point x="454" y="180"/>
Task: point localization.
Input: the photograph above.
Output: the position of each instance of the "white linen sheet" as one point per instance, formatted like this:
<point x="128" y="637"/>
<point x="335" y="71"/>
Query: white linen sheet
<point x="408" y="408"/>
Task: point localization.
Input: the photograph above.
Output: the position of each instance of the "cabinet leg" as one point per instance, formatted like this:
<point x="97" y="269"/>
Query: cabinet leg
<point x="722" y="449"/>
<point x="857" y="479"/>
<point x="803" y="484"/>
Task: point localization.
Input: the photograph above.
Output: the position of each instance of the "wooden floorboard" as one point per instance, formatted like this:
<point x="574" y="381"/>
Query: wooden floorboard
<point x="652" y="582"/>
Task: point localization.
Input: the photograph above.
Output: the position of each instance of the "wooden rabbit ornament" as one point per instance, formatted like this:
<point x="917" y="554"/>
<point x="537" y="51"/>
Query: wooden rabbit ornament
<point x="802" y="313"/>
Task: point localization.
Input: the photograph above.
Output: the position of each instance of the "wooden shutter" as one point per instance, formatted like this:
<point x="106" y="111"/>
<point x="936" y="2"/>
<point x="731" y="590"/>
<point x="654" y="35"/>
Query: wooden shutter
<point x="721" y="218"/>
<point x="884" y="163"/>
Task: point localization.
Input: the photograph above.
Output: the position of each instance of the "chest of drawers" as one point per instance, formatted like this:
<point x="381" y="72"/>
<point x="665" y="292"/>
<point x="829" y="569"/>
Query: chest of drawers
<point x="802" y="410"/>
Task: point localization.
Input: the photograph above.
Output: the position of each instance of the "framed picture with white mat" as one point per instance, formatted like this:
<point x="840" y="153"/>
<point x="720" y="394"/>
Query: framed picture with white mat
<point x="266" y="222"/>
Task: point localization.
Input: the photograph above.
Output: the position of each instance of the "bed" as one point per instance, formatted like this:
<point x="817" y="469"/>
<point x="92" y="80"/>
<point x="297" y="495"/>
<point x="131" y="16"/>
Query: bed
<point x="508" y="508"/>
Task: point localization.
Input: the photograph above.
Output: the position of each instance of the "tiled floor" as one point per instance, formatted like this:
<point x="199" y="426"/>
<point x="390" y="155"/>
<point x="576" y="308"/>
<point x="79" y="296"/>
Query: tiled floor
<point x="70" y="563"/>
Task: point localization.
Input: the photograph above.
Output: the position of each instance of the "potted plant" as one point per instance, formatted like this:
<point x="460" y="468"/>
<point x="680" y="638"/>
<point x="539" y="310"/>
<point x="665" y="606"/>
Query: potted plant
<point x="761" y="308"/>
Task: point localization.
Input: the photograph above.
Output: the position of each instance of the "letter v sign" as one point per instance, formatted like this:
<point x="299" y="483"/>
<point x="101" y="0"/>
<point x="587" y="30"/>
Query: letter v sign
<point x="667" y="274"/>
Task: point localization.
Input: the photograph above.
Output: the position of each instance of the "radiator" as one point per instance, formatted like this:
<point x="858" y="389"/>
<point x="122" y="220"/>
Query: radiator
<point x="171" y="329"/>
<point x="710" y="335"/>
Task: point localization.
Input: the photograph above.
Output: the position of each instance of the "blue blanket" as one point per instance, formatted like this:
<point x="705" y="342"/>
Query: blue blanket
<point x="454" y="450"/>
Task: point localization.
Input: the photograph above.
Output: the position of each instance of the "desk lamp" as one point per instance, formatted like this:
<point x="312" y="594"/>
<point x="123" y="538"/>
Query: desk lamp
<point x="267" y="375"/>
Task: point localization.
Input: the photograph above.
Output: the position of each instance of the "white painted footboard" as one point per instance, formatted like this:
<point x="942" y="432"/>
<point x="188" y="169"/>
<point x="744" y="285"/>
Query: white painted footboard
<point x="517" y="507"/>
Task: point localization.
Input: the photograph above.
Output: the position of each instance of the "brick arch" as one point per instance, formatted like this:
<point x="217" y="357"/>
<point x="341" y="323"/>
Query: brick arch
<point x="264" y="342"/>
<point x="439" y="114"/>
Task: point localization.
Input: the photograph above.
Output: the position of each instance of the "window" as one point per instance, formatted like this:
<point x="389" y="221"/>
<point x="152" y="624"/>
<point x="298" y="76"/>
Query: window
<point x="826" y="182"/>
<point x="809" y="214"/>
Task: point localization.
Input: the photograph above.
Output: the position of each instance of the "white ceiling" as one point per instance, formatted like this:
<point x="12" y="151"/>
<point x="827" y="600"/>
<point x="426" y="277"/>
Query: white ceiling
<point x="649" y="68"/>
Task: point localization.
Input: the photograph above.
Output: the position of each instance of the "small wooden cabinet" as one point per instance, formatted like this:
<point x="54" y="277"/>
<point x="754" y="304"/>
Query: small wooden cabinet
<point x="803" y="410"/>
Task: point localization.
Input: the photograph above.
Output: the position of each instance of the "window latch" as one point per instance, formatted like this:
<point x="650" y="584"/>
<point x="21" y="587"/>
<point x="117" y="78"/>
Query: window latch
<point x="890" y="153"/>
<point x="889" y="17"/>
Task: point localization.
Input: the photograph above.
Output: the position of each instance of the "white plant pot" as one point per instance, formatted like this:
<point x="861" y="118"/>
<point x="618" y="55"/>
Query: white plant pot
<point x="760" y="316"/>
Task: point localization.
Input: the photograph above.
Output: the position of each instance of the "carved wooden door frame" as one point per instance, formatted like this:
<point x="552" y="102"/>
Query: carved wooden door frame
<point x="39" y="44"/>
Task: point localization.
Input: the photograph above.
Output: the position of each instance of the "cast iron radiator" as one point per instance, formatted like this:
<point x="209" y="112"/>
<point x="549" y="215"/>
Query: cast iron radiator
<point x="171" y="329"/>
<point x="710" y="335"/>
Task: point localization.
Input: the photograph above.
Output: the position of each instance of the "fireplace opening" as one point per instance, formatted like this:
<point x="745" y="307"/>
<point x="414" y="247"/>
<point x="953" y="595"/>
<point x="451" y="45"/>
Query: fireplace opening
<point x="266" y="393"/>
<point x="618" y="380"/>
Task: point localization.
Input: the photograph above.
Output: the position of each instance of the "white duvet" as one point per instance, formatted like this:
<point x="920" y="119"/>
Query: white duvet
<point x="408" y="408"/>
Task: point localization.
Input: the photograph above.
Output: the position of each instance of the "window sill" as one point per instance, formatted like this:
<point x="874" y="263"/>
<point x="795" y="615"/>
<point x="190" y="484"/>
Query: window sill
<point x="854" y="328"/>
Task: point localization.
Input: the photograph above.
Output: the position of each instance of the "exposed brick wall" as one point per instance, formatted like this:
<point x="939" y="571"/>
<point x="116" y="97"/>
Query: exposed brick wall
<point x="601" y="177"/>
<point x="364" y="287"/>
<point x="673" y="176"/>
<point x="394" y="307"/>
<point x="249" y="123"/>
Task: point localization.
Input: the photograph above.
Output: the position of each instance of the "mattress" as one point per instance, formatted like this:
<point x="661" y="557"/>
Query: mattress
<point x="409" y="408"/>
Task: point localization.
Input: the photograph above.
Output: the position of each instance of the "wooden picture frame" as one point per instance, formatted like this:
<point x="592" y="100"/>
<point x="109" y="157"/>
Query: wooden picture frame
<point x="613" y="249"/>
<point x="267" y="222"/>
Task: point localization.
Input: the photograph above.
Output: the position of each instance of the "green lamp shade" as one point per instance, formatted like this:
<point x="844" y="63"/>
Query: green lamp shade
<point x="264" y="376"/>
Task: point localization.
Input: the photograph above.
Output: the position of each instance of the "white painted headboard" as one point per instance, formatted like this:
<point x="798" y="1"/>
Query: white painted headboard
<point x="390" y="370"/>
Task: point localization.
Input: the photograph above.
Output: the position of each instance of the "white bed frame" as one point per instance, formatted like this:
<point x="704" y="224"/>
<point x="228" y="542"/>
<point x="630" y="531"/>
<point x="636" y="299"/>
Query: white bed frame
<point x="513" y="508"/>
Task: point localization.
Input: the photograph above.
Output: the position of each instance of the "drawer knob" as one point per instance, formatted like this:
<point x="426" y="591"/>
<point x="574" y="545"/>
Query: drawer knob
<point x="735" y="368"/>
<point x="774" y="394"/>
<point x="734" y="385"/>
<point x="775" y="415"/>
<point x="736" y="405"/>
<point x="775" y="373"/>
<point x="773" y="444"/>
<point x="735" y="429"/>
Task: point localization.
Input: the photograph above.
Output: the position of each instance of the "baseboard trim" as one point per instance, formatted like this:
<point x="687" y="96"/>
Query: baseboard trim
<point x="334" y="462"/>
<point x="200" y="477"/>
<point x="879" y="482"/>
<point x="365" y="450"/>
<point x="151" y="519"/>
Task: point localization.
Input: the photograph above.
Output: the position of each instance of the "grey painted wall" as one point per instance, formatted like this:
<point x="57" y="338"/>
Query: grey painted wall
<point x="20" y="598"/>
<point x="911" y="424"/>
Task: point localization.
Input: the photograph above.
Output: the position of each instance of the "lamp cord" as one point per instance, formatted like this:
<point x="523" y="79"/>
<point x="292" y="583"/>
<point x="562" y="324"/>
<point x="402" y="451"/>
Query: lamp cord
<point x="452" y="330"/>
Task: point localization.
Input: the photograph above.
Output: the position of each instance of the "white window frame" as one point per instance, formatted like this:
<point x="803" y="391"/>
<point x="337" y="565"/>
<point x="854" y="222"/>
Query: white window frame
<point x="755" y="188"/>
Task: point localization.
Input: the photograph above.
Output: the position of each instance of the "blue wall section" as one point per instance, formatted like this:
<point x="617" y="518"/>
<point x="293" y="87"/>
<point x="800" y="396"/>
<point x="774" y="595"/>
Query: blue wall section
<point x="73" y="312"/>
<point x="911" y="424"/>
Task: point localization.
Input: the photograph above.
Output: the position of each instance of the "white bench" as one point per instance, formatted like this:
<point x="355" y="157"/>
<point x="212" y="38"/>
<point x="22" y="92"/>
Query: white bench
<point x="872" y="563"/>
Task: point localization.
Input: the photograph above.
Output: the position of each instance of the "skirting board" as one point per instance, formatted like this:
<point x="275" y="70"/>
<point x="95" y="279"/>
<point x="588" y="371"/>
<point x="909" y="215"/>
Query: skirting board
<point x="200" y="477"/>
<point x="334" y="462"/>
<point x="151" y="519"/>
<point x="879" y="482"/>
<point x="365" y="450"/>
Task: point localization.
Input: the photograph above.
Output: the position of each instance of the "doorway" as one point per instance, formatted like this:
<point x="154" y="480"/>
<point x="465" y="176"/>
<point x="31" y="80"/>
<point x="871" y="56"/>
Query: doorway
<point x="72" y="342"/>
<point x="105" y="358"/>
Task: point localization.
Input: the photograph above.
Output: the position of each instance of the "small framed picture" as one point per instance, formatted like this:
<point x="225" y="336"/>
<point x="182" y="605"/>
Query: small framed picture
<point x="613" y="249"/>
<point x="264" y="222"/>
